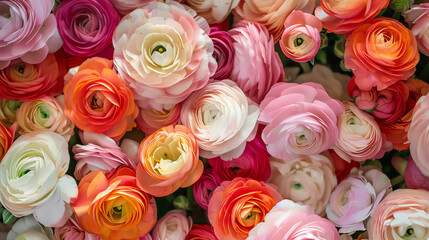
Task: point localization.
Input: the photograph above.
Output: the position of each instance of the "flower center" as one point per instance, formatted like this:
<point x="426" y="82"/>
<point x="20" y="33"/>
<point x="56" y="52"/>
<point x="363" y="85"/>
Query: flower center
<point x="97" y="101"/>
<point x="159" y="48"/>
<point x="169" y="155"/>
<point x="297" y="185"/>
<point x="298" y="41"/>
<point x="24" y="172"/>
<point x="43" y="114"/>
<point x="409" y="232"/>
<point x="23" y="72"/>
<point x="117" y="212"/>
<point x="162" y="53"/>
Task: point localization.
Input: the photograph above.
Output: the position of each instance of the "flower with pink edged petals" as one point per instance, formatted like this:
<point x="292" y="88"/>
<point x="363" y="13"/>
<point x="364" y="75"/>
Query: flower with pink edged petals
<point x="355" y="198"/>
<point x="300" y="119"/>
<point x="289" y="220"/>
<point x="214" y="11"/>
<point x="72" y="230"/>
<point x="150" y="120"/>
<point x="301" y="38"/>
<point x="204" y="187"/>
<point x="418" y="17"/>
<point x="172" y="226"/>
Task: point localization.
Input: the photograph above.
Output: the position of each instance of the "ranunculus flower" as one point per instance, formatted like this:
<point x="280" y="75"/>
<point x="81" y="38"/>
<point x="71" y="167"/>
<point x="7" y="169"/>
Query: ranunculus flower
<point x="168" y="160"/>
<point x="418" y="17"/>
<point x="345" y="16"/>
<point x="289" y="220"/>
<point x="214" y="11"/>
<point x="28" y="228"/>
<point x="301" y="37"/>
<point x="387" y="105"/>
<point x="222" y="119"/>
<point x="355" y="198"/>
<point x="381" y="52"/>
<point x="150" y="120"/>
<point x="29" y="31"/>
<point x="23" y="81"/>
<point x="272" y="13"/>
<point x="359" y="137"/>
<point x="72" y="230"/>
<point x="308" y="180"/>
<point x="204" y="187"/>
<point x="114" y="208"/>
<point x="201" y="232"/>
<point x="99" y="152"/>
<point x="239" y="205"/>
<point x="300" y="119"/>
<point x="414" y="178"/>
<point x="223" y="52"/>
<point x="98" y="101"/>
<point x="403" y="214"/>
<point x="342" y="167"/>
<point x="163" y="53"/>
<point x="87" y="27"/>
<point x="6" y="138"/>
<point x="44" y="114"/>
<point x="173" y="226"/>
<point x="257" y="66"/>
<point x="33" y="179"/>
<point x="8" y="112"/>
<point x="254" y="163"/>
<point x="334" y="83"/>
<point x="126" y="6"/>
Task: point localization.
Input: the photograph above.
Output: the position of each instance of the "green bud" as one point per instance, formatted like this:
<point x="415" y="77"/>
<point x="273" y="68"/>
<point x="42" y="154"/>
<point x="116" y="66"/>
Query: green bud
<point x="7" y="217"/>
<point x="400" y="5"/>
<point x="181" y="202"/>
<point x="323" y="40"/>
<point x="339" y="47"/>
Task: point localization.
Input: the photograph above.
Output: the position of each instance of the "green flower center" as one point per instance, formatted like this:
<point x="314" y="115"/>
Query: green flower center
<point x="298" y="42"/>
<point x="409" y="232"/>
<point x="159" y="48"/>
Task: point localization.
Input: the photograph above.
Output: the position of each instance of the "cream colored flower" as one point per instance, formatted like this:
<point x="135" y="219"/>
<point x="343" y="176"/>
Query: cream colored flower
<point x="214" y="11"/>
<point x="28" y="228"/>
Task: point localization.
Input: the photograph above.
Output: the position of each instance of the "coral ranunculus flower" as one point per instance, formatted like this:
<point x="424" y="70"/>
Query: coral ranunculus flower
<point x="98" y="101"/>
<point x="381" y="52"/>
<point x="239" y="205"/>
<point x="168" y="160"/>
<point x="114" y="208"/>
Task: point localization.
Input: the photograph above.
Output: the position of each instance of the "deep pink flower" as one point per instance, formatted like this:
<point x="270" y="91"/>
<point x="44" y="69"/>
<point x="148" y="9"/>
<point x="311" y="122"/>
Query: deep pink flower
<point x="204" y="187"/>
<point x="414" y="178"/>
<point x="223" y="52"/>
<point x="200" y="232"/>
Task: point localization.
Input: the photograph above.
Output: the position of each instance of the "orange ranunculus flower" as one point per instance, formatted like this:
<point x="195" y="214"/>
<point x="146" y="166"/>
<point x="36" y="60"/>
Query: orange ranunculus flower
<point x="98" y="101"/>
<point x="381" y="52"/>
<point x="239" y="205"/>
<point x="114" y="208"/>
<point x="6" y="138"/>
<point x="168" y="160"/>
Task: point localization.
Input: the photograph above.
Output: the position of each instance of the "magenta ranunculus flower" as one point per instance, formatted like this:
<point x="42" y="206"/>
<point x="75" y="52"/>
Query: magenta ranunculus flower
<point x="223" y="52"/>
<point x="414" y="178"/>
<point x="253" y="163"/>
<point x="87" y="26"/>
<point x="199" y="232"/>
<point x="289" y="220"/>
<point x="99" y="152"/>
<point x="28" y="31"/>
<point x="301" y="38"/>
<point x="300" y="119"/>
<point x="204" y="187"/>
<point x="257" y="66"/>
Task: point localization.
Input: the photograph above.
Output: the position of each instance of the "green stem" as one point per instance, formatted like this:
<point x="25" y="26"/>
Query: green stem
<point x="397" y="180"/>
<point x="305" y="67"/>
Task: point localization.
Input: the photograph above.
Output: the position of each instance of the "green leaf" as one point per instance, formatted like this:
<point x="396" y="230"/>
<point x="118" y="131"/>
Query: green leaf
<point x="7" y="217"/>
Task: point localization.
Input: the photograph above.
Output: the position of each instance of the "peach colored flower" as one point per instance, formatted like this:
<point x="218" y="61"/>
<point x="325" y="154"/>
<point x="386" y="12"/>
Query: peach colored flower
<point x="301" y="38"/>
<point x="98" y="101"/>
<point x="114" y="208"/>
<point x="163" y="53"/>
<point x="308" y="180"/>
<point x="149" y="120"/>
<point x="221" y="118"/>
<point x="381" y="52"/>
<point x="344" y="16"/>
<point x="214" y="11"/>
<point x="6" y="138"/>
<point x="403" y="214"/>
<point x="168" y="160"/>
<point x="418" y="17"/>
<point x="272" y="13"/>
<point x="239" y="205"/>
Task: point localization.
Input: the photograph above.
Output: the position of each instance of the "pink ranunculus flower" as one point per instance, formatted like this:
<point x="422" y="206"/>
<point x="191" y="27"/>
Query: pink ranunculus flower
<point x="99" y="152"/>
<point x="253" y="163"/>
<point x="223" y="52"/>
<point x="309" y="180"/>
<point x="126" y="6"/>
<point x="355" y="198"/>
<point x="222" y="119"/>
<point x="403" y="214"/>
<point x="300" y="119"/>
<point x="204" y="187"/>
<point x="418" y="135"/>
<point x="29" y="31"/>
<point x="289" y="220"/>
<point x="360" y="137"/>
<point x="257" y="66"/>
<point x="414" y="178"/>
<point x="301" y="37"/>
<point x="72" y="230"/>
<point x="172" y="226"/>
<point x="214" y="11"/>
<point x="201" y="232"/>
<point x="150" y="120"/>
<point x="163" y="53"/>
<point x="418" y="17"/>
<point x="87" y="27"/>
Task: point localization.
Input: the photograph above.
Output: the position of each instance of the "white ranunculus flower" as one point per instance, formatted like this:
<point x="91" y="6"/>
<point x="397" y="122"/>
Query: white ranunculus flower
<point x="309" y="180"/>
<point x="222" y="119"/>
<point x="33" y="180"/>
<point x="28" y="228"/>
<point x="214" y="11"/>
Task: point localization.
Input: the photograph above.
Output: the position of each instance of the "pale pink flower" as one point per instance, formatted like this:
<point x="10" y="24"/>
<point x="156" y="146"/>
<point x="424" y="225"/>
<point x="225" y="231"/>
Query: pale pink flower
<point x="418" y="17"/>
<point x="214" y="11"/>
<point x="173" y="226"/>
<point x="72" y="230"/>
